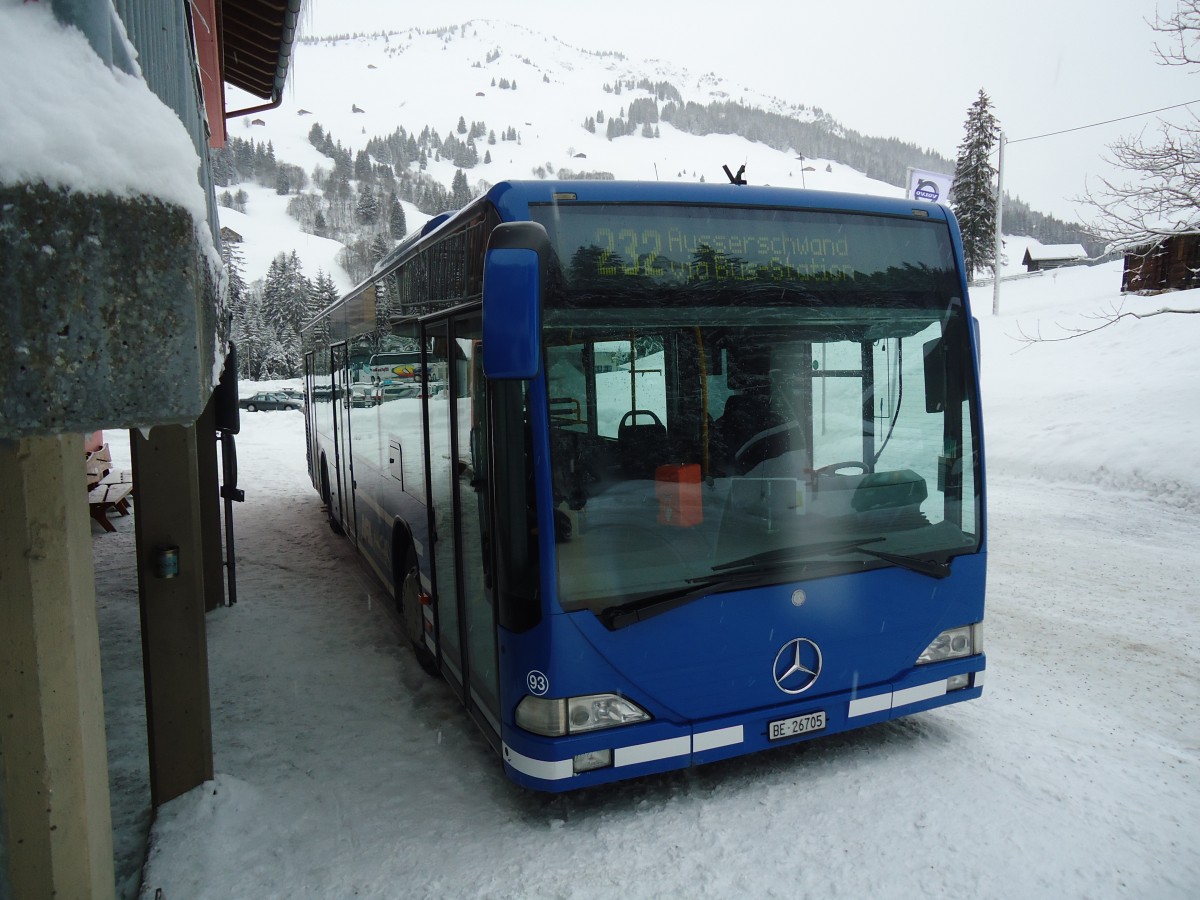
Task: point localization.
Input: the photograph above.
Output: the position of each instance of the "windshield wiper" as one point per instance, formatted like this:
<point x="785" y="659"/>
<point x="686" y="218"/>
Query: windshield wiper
<point x="751" y="571"/>
<point x="930" y="567"/>
<point x="615" y="617"/>
<point x="786" y="555"/>
<point x="756" y="570"/>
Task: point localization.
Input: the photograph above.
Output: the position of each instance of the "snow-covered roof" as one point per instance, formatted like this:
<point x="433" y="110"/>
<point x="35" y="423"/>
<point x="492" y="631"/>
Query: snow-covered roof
<point x="69" y="125"/>
<point x="1055" y="251"/>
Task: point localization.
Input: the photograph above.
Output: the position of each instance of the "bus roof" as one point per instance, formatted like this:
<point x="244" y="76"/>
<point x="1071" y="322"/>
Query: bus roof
<point x="513" y="198"/>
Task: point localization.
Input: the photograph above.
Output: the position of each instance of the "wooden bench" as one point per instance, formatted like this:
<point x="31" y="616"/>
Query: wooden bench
<point x="107" y="489"/>
<point x="109" y="496"/>
<point x="97" y="465"/>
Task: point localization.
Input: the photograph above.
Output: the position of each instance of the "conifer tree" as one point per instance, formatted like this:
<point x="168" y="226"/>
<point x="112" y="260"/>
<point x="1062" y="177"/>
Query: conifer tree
<point x="323" y="295"/>
<point x="236" y="298"/>
<point x="285" y="307"/>
<point x="397" y="224"/>
<point x="367" y="208"/>
<point x="460" y="190"/>
<point x="362" y="166"/>
<point x="249" y="333"/>
<point x="276" y="360"/>
<point x="224" y="170"/>
<point x="974" y="201"/>
<point x="231" y="256"/>
<point x="385" y="301"/>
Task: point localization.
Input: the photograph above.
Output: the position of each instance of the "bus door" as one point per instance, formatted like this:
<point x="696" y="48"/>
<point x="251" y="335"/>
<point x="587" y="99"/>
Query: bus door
<point x="459" y="507"/>
<point x="310" y="427"/>
<point x="343" y="459"/>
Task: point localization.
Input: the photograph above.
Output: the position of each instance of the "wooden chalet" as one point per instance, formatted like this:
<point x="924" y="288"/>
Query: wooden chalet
<point x="1052" y="256"/>
<point x="1172" y="264"/>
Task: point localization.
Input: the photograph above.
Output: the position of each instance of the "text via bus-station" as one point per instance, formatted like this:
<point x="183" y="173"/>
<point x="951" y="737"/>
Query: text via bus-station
<point x="706" y="257"/>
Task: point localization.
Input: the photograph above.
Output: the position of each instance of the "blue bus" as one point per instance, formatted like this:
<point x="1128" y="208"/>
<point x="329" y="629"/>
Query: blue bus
<point x="695" y="471"/>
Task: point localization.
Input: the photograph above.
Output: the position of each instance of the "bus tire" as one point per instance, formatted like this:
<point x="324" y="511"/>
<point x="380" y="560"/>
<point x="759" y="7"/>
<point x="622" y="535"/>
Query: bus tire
<point x="327" y="498"/>
<point x="408" y="601"/>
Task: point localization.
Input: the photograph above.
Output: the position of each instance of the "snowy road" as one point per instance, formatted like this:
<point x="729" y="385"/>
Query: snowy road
<point x="345" y="772"/>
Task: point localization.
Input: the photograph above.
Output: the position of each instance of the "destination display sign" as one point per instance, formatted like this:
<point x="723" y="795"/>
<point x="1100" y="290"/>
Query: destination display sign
<point x="691" y="245"/>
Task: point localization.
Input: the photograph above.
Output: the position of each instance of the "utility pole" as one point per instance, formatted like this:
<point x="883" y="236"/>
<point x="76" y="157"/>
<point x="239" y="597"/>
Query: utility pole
<point x="999" y="225"/>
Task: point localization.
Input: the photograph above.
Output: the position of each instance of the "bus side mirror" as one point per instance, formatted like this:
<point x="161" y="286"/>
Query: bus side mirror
<point x="225" y="395"/>
<point x="512" y="300"/>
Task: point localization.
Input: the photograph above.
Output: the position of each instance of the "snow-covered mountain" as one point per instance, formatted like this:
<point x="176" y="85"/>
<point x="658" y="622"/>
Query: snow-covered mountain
<point x="366" y="86"/>
<point x="544" y="109"/>
<point x="554" y="100"/>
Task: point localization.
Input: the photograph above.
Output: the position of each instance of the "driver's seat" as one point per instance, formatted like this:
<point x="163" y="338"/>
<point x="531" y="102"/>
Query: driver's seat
<point x="744" y="416"/>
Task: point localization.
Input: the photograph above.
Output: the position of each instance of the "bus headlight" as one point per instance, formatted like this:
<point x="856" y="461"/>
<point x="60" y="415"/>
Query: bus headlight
<point x="574" y="715"/>
<point x="954" y="643"/>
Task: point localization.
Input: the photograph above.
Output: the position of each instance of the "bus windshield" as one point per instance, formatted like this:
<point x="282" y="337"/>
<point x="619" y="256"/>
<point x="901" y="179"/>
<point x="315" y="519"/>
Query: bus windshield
<point x="740" y="397"/>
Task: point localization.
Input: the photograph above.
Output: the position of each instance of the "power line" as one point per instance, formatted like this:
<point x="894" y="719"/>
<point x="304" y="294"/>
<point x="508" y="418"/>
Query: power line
<point x="1148" y="112"/>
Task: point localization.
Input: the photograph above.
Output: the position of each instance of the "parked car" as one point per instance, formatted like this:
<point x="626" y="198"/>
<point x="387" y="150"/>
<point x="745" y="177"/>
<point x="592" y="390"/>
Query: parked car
<point x="397" y="390"/>
<point x="269" y="400"/>
<point x="292" y="394"/>
<point x="365" y="394"/>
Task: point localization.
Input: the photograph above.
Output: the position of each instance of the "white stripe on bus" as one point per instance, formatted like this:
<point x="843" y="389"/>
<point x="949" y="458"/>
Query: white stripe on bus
<point x="552" y="770"/>
<point x="711" y="740"/>
<point x="640" y="753"/>
<point x="918" y="693"/>
<point x="862" y="706"/>
<point x="546" y="769"/>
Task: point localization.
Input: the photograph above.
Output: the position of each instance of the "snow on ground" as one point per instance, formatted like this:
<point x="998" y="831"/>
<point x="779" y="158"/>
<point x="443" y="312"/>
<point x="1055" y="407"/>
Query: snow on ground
<point x="1115" y="408"/>
<point x="345" y="771"/>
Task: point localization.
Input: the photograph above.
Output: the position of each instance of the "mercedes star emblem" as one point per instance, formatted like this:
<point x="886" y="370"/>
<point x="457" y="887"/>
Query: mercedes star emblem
<point x="797" y="665"/>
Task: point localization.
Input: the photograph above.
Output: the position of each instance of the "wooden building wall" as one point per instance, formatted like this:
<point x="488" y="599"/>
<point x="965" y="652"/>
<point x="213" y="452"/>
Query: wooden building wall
<point x="1172" y="265"/>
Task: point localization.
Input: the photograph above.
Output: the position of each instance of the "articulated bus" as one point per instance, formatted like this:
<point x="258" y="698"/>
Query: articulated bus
<point x="694" y="470"/>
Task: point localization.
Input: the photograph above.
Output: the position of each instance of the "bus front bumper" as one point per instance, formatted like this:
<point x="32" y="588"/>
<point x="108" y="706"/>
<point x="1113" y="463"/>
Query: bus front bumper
<point x="570" y="763"/>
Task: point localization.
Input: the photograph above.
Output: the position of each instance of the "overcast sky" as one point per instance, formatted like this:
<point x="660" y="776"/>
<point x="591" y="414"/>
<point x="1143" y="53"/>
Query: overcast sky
<point x="892" y="69"/>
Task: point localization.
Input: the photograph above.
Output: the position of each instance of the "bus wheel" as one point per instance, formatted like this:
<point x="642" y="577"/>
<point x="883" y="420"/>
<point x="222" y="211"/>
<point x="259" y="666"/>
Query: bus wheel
<point x="412" y="615"/>
<point x="327" y="499"/>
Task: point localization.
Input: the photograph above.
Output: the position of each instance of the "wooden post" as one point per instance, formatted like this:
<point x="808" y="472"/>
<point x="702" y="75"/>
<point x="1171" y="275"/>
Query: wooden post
<point x="55" y="763"/>
<point x="171" y="592"/>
